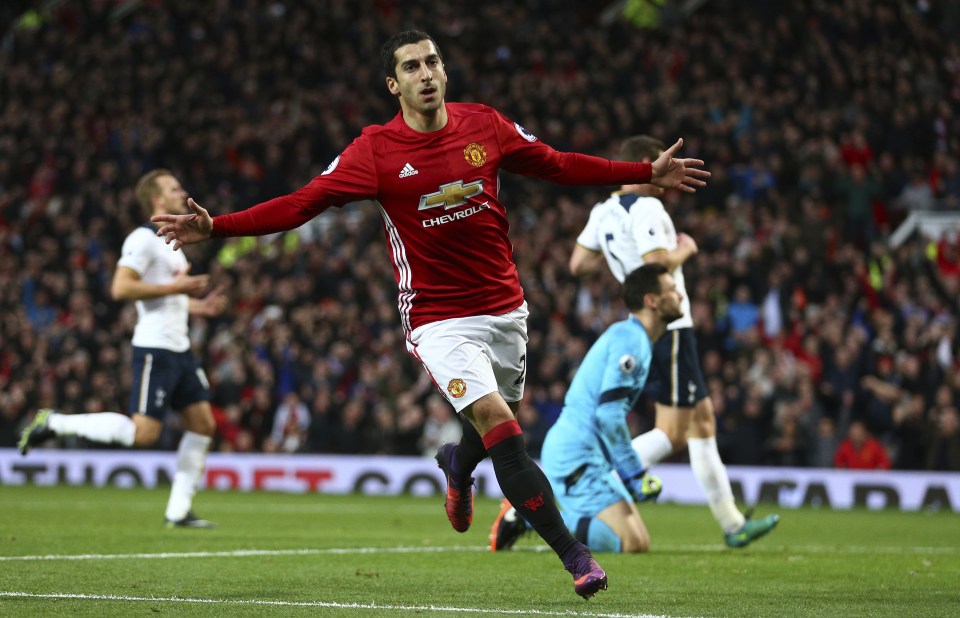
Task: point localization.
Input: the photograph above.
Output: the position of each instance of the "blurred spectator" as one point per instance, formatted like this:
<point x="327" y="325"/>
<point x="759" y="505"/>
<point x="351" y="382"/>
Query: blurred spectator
<point x="352" y="439"/>
<point x="943" y="448"/>
<point x="322" y="434"/>
<point x="917" y="194"/>
<point x="910" y="447"/>
<point x="548" y="401"/>
<point x="825" y="444"/>
<point x="228" y="427"/>
<point x="772" y="314"/>
<point x="534" y="430"/>
<point x="861" y="451"/>
<point x="857" y="190"/>
<point x="409" y="426"/>
<point x="744" y="435"/>
<point x="949" y="181"/>
<point x="744" y="316"/>
<point x="290" y="425"/>
<point x="881" y="392"/>
<point x="855" y="149"/>
<point x="442" y="425"/>
<point x="257" y="416"/>
<point x="786" y="447"/>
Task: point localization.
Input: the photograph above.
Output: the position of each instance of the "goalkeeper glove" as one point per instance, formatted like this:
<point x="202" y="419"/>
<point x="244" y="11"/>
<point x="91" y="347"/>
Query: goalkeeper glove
<point x="644" y="487"/>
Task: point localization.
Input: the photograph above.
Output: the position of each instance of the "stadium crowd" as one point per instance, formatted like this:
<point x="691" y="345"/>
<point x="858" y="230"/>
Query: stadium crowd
<point x="824" y="124"/>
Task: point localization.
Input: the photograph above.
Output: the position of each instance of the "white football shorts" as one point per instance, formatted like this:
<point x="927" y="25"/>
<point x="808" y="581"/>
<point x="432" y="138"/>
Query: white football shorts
<point x="470" y="357"/>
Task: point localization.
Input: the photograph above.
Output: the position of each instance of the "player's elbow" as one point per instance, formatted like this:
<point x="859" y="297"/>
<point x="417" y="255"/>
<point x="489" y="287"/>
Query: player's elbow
<point x="576" y="267"/>
<point x="118" y="291"/>
<point x="581" y="263"/>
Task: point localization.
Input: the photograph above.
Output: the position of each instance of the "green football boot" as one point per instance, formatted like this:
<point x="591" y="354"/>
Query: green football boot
<point x="36" y="432"/>
<point x="751" y="530"/>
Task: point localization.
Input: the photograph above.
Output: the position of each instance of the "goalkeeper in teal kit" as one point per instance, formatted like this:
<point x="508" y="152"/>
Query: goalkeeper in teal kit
<point x="596" y="475"/>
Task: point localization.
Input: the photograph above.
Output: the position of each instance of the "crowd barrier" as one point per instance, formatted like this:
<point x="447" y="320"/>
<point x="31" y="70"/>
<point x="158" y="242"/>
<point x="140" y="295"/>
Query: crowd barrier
<point x="383" y="475"/>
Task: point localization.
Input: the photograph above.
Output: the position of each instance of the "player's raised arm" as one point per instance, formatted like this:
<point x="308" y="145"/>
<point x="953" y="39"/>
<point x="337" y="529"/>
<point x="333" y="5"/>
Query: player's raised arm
<point x="185" y="229"/>
<point x="682" y="174"/>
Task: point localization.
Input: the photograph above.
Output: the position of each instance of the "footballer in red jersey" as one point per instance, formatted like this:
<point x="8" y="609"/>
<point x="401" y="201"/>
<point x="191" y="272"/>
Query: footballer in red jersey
<point x="433" y="170"/>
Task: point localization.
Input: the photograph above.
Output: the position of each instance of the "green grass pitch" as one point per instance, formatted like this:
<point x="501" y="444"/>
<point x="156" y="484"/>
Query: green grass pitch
<point x="81" y="551"/>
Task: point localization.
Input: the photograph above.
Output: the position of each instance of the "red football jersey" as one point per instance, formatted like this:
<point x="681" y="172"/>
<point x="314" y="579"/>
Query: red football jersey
<point x="438" y="194"/>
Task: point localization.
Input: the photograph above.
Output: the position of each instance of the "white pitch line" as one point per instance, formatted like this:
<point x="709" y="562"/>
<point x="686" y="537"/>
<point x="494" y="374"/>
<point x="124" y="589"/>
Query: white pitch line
<point x="344" y="551"/>
<point x="243" y="553"/>
<point x="326" y="604"/>
<point x="310" y="509"/>
<point x="771" y="547"/>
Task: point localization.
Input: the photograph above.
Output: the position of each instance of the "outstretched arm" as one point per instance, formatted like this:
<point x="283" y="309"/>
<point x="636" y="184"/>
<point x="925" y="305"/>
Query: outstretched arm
<point x="682" y="174"/>
<point x="185" y="229"/>
<point x="351" y="177"/>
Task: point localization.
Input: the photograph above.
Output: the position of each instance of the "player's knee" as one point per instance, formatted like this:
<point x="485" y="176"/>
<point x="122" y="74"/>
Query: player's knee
<point x="674" y="422"/>
<point x="145" y="440"/>
<point x="635" y="542"/>
<point x="703" y="423"/>
<point x="488" y="412"/>
<point x="203" y="424"/>
<point x="677" y="436"/>
<point x="198" y="418"/>
<point x="704" y="429"/>
<point x="206" y="428"/>
<point x="704" y="411"/>
<point x="147" y="433"/>
<point x="626" y="536"/>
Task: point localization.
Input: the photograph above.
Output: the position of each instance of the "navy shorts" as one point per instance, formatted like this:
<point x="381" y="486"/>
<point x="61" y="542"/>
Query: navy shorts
<point x="675" y="376"/>
<point x="163" y="379"/>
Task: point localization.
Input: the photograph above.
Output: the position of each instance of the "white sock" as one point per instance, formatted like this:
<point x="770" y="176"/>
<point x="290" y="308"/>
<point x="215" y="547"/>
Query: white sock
<point x="713" y="479"/>
<point x="191" y="459"/>
<point x="105" y="427"/>
<point x="653" y="447"/>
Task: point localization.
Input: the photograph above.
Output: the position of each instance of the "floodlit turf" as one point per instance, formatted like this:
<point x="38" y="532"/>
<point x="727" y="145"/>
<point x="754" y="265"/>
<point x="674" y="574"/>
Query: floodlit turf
<point x="103" y="552"/>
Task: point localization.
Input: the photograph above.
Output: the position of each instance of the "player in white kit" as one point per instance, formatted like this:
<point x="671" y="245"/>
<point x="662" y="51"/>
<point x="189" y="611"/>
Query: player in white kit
<point x="626" y="230"/>
<point x="166" y="372"/>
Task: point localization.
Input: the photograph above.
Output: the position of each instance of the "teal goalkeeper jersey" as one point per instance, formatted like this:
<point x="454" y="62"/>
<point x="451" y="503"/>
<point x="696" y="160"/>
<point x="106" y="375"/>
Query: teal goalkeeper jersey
<point x="605" y="387"/>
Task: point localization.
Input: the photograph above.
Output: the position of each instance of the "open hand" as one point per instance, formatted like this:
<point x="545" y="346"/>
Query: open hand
<point x="685" y="241"/>
<point x="185" y="229"/>
<point x="682" y="174"/>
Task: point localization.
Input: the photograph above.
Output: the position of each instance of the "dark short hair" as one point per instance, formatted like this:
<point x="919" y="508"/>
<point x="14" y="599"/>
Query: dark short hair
<point x="640" y="147"/>
<point x="407" y="37"/>
<point x="640" y="282"/>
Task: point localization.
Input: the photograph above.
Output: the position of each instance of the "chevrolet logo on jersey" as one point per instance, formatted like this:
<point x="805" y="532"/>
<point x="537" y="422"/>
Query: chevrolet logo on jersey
<point x="451" y="195"/>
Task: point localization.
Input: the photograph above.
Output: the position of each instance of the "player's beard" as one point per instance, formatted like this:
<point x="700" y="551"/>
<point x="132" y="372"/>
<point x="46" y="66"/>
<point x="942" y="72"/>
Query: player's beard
<point x="672" y="316"/>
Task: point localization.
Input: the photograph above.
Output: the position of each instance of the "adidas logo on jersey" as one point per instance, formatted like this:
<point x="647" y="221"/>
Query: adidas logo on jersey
<point x="408" y="170"/>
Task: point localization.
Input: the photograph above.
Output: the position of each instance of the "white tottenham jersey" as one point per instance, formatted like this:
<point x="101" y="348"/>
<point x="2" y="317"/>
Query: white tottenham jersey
<point x="162" y="322"/>
<point x="625" y="227"/>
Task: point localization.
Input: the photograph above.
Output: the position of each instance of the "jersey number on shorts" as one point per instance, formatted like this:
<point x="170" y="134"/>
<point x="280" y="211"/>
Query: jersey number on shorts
<point x="523" y="370"/>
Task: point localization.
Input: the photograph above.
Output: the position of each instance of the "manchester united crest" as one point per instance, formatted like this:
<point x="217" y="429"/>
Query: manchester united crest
<point x="475" y="154"/>
<point x="457" y="388"/>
